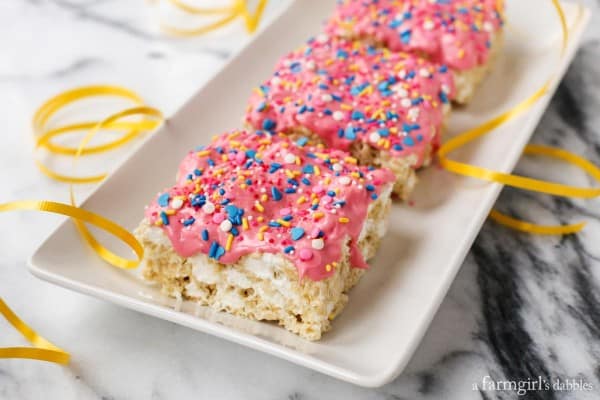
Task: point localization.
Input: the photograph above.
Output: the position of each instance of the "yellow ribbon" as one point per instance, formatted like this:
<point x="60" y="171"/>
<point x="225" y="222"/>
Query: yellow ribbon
<point x="43" y="350"/>
<point x="521" y="182"/>
<point x="228" y="14"/>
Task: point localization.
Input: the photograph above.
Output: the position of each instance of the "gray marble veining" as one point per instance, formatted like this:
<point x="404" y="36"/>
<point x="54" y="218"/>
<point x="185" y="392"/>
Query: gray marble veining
<point x="522" y="308"/>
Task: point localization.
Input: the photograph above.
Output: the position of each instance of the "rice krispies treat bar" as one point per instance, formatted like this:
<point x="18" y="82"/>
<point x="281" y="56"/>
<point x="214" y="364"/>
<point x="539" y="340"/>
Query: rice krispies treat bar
<point x="387" y="109"/>
<point x="463" y="34"/>
<point x="265" y="228"/>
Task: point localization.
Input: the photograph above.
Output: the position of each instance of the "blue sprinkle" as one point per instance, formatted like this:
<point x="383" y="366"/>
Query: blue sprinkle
<point x="189" y="221"/>
<point x="350" y="133"/>
<point x="374" y="196"/>
<point x="405" y="36"/>
<point x="204" y="235"/>
<point x="274" y="224"/>
<point x="444" y="98"/>
<point x="276" y="193"/>
<point x="163" y="200"/>
<point x="269" y="124"/>
<point x="219" y="253"/>
<point x="288" y="249"/>
<point x="306" y="181"/>
<point x="198" y="200"/>
<point x="274" y="167"/>
<point x="370" y="187"/>
<point x="164" y="218"/>
<point x="302" y="141"/>
<point x="297" y="233"/>
<point x="308" y="169"/>
<point x="408" y="141"/>
<point x="197" y="172"/>
<point x="356" y="115"/>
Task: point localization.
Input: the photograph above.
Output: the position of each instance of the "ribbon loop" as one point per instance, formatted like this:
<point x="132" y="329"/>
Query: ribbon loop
<point x="521" y="182"/>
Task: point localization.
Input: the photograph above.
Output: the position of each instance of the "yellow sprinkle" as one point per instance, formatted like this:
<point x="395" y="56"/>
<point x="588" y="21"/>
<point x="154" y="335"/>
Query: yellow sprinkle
<point x="263" y="228"/>
<point x="224" y="157"/>
<point x="346" y="107"/>
<point x="170" y="212"/>
<point x="158" y="222"/>
<point x="264" y="197"/>
<point x="229" y="242"/>
<point x="243" y="186"/>
<point x="317" y="170"/>
<point x="245" y="223"/>
<point x="351" y="160"/>
<point x="260" y="218"/>
<point x="203" y="153"/>
<point x="283" y="222"/>
<point x="259" y="207"/>
<point x="328" y="267"/>
<point x="344" y="220"/>
<point x="301" y="200"/>
<point x="260" y="236"/>
<point x="289" y="173"/>
<point x="327" y="180"/>
<point x="318" y="215"/>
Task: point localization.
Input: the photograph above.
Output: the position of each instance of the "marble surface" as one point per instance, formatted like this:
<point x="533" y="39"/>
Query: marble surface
<point x="521" y="308"/>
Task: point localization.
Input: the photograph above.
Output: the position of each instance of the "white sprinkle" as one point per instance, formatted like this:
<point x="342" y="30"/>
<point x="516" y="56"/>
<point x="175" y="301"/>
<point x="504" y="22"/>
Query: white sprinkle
<point x="225" y="225"/>
<point x="344" y="180"/>
<point x="400" y="91"/>
<point x="289" y="158"/>
<point x="326" y="98"/>
<point x="322" y="38"/>
<point x="445" y="88"/>
<point x="488" y="26"/>
<point x="317" y="244"/>
<point x="276" y="80"/>
<point x="208" y="208"/>
<point x="413" y="114"/>
<point x="337" y="167"/>
<point x="310" y="65"/>
<point x="402" y="74"/>
<point x="406" y="103"/>
<point x="424" y="73"/>
<point x="176" y="203"/>
<point x="287" y="62"/>
<point x="428" y="25"/>
<point x="338" y="115"/>
<point x="374" y="137"/>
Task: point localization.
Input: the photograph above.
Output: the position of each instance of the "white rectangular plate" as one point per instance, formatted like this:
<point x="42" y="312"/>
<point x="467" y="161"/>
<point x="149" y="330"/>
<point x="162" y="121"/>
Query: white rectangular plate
<point x="391" y="308"/>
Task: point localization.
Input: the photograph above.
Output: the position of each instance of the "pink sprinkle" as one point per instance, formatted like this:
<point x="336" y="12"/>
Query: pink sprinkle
<point x="218" y="218"/>
<point x="318" y="189"/>
<point x="240" y="157"/>
<point x="326" y="200"/>
<point x="305" y="254"/>
<point x="315" y="232"/>
<point x="285" y="211"/>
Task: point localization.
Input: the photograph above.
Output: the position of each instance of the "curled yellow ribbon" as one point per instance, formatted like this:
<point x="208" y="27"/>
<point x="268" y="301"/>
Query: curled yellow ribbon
<point x="521" y="182"/>
<point x="239" y="8"/>
<point x="43" y="350"/>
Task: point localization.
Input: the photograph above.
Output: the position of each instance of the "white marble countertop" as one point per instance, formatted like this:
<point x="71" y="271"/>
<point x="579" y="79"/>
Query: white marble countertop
<point x="521" y="307"/>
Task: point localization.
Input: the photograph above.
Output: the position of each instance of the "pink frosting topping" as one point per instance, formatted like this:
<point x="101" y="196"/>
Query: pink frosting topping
<point x="453" y="32"/>
<point x="255" y="192"/>
<point x="346" y="91"/>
